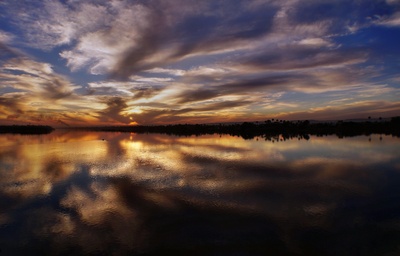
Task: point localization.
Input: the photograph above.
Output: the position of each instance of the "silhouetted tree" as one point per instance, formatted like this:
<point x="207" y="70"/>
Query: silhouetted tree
<point x="26" y="129"/>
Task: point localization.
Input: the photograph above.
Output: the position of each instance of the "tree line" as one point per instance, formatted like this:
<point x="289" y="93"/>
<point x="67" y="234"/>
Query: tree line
<point x="250" y="130"/>
<point x="26" y="129"/>
<point x="247" y="130"/>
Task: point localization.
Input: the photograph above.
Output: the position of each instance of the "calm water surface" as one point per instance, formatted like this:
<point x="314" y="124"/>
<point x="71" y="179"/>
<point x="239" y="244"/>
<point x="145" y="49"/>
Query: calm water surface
<point x="91" y="193"/>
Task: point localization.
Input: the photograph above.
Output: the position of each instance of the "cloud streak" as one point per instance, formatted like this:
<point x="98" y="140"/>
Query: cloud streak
<point x="172" y="60"/>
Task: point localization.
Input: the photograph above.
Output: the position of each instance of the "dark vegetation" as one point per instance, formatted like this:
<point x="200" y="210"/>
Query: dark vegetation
<point x="26" y="129"/>
<point x="247" y="130"/>
<point x="267" y="129"/>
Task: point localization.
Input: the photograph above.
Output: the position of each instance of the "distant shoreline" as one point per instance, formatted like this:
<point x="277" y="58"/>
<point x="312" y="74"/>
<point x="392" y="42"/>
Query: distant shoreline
<point x="247" y="130"/>
<point x="250" y="130"/>
<point x="26" y="129"/>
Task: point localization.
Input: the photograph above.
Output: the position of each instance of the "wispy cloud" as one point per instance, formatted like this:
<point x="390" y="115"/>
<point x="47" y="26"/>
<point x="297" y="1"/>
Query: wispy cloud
<point x="178" y="60"/>
<point x="359" y="109"/>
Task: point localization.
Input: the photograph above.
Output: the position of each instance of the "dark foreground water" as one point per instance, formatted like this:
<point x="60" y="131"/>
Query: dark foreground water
<point x="73" y="193"/>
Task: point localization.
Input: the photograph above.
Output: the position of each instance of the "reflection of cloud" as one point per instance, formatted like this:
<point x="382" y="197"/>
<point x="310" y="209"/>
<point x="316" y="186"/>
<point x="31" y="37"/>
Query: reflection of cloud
<point x="136" y="192"/>
<point x="93" y="210"/>
<point x="43" y="165"/>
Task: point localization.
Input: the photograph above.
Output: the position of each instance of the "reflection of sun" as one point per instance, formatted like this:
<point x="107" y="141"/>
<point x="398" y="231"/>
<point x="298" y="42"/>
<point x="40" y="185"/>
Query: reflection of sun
<point x="132" y="146"/>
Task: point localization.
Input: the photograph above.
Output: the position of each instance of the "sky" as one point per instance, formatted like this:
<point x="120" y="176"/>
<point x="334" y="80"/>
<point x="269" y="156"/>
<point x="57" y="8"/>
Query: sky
<point x="119" y="62"/>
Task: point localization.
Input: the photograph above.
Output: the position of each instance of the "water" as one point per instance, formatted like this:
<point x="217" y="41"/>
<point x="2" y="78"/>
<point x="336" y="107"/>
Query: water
<point x="92" y="193"/>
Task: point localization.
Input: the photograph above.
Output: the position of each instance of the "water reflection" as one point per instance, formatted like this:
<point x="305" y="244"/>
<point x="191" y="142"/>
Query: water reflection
<point x="119" y="193"/>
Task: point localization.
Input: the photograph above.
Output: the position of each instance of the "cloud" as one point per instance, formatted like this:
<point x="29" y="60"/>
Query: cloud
<point x="173" y="72"/>
<point x="170" y="39"/>
<point x="203" y="113"/>
<point x="37" y="78"/>
<point x="173" y="60"/>
<point x="133" y="90"/>
<point x="390" y="18"/>
<point x="7" y="52"/>
<point x="6" y="37"/>
<point x="113" y="111"/>
<point x="124" y="37"/>
<point x="315" y="42"/>
<point x="359" y="109"/>
<point x="101" y="49"/>
<point x="144" y="93"/>
<point x="28" y="86"/>
<point x="198" y="95"/>
<point x="10" y="106"/>
<point x="301" y="56"/>
<point x="234" y="86"/>
<point x="339" y="13"/>
<point x="389" y="21"/>
<point x="251" y="80"/>
<point x="47" y="24"/>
